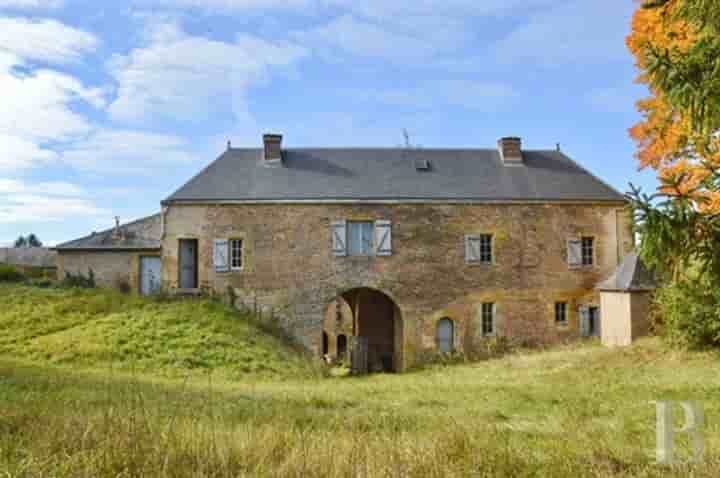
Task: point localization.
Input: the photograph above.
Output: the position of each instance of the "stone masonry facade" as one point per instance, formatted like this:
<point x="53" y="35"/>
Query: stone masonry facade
<point x="289" y="269"/>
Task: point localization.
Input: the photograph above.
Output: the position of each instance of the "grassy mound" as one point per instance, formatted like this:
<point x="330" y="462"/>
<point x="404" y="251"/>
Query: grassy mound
<point x="102" y="328"/>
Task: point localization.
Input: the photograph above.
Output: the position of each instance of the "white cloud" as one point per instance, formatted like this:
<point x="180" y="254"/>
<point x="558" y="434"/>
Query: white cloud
<point x="17" y="154"/>
<point x="234" y="5"/>
<point x="51" y="188"/>
<point x="357" y="37"/>
<point x="31" y="3"/>
<point x="44" y="40"/>
<point x="40" y="208"/>
<point x="22" y="202"/>
<point x="37" y="106"/>
<point x="582" y="31"/>
<point x="112" y="151"/>
<point x="484" y="96"/>
<point x="181" y="76"/>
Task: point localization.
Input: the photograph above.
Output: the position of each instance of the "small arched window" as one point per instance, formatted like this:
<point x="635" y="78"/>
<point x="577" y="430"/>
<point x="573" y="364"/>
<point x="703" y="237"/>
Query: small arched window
<point x="341" y="346"/>
<point x="445" y="335"/>
<point x="325" y="343"/>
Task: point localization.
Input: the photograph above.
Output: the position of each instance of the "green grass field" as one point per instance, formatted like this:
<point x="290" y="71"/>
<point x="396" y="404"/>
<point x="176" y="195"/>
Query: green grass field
<point x="85" y="391"/>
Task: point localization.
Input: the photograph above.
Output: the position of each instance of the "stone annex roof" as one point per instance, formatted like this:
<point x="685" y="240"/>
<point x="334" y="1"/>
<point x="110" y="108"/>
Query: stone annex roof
<point x="143" y="234"/>
<point x="391" y="175"/>
<point x="631" y="275"/>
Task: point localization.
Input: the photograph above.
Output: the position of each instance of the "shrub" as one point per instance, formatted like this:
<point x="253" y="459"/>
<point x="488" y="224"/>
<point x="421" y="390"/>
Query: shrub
<point x="687" y="314"/>
<point x="9" y="273"/>
<point x="79" y="281"/>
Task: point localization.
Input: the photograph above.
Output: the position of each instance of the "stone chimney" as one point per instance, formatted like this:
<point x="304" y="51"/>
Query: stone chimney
<point x="272" y="147"/>
<point x="510" y="149"/>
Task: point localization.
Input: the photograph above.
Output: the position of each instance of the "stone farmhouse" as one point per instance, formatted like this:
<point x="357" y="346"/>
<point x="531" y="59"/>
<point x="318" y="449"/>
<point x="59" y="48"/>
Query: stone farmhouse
<point x="409" y="251"/>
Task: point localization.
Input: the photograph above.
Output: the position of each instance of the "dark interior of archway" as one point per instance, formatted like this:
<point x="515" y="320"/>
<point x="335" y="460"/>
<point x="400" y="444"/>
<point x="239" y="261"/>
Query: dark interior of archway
<point x="374" y="320"/>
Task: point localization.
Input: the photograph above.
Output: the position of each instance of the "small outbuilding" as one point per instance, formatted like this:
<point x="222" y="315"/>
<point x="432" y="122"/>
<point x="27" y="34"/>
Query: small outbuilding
<point x="126" y="257"/>
<point x="625" y="302"/>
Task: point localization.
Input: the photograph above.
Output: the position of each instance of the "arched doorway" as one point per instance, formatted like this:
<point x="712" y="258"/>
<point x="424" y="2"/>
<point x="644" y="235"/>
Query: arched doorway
<point x="376" y="318"/>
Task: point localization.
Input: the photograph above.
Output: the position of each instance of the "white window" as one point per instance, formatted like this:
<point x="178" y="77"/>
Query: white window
<point x="236" y="254"/>
<point x="488" y="319"/>
<point x="445" y="335"/>
<point x="588" y="251"/>
<point x="479" y="249"/>
<point x="360" y="238"/>
<point x="561" y="313"/>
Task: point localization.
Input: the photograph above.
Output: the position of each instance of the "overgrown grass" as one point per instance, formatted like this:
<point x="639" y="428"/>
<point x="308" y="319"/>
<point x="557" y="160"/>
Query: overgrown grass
<point x="101" y="328"/>
<point x="576" y="411"/>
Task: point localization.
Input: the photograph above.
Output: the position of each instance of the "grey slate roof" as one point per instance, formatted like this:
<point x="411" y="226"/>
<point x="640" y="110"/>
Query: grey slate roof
<point x="390" y="174"/>
<point x="631" y="275"/>
<point x="143" y="234"/>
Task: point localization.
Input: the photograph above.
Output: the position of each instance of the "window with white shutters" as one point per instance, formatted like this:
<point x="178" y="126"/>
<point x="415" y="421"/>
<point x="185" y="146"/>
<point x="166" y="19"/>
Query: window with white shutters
<point x="338" y="230"/>
<point x="220" y="255"/>
<point x="479" y="249"/>
<point x="383" y="238"/>
<point x="574" y="253"/>
<point x="360" y="238"/>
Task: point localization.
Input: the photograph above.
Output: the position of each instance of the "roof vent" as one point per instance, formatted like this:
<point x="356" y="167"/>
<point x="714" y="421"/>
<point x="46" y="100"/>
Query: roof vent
<point x="510" y="149"/>
<point x="422" y="165"/>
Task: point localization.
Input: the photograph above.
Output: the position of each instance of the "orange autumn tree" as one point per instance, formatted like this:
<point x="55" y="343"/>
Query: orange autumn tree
<point x="677" y="49"/>
<point x="676" y="44"/>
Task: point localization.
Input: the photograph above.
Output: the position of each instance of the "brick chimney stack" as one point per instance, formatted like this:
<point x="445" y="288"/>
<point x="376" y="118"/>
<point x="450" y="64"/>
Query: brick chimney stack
<point x="272" y="150"/>
<point x="510" y="149"/>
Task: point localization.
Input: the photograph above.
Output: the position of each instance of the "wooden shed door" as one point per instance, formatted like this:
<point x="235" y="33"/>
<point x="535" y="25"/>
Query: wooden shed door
<point x="188" y="263"/>
<point x="149" y="275"/>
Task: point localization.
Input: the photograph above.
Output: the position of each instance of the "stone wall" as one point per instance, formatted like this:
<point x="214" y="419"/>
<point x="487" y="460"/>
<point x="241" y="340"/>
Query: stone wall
<point x="290" y="271"/>
<point x="110" y="268"/>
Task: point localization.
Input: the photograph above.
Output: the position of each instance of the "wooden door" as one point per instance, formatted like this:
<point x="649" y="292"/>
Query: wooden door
<point x="188" y="264"/>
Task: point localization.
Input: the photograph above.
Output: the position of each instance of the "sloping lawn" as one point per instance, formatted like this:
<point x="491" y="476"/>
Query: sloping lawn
<point x="102" y="328"/>
<point x="575" y="411"/>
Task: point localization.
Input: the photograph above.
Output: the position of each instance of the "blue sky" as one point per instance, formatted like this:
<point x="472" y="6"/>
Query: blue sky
<point x="109" y="106"/>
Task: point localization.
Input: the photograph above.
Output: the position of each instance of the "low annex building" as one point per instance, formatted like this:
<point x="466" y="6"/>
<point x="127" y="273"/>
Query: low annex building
<point x="125" y="257"/>
<point x="409" y="251"/>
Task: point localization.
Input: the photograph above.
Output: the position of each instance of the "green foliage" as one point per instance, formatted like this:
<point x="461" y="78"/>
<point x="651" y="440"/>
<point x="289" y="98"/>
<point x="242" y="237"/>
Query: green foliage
<point x="92" y="328"/>
<point x="79" y="281"/>
<point x="30" y="241"/>
<point x="675" y="236"/>
<point x="691" y="79"/>
<point x="9" y="273"/>
<point x="688" y="314"/>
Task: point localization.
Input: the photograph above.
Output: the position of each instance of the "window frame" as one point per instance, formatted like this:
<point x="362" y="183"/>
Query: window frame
<point x="487" y="310"/>
<point x="561" y="319"/>
<point x="488" y="241"/>
<point x="587" y="260"/>
<point x="371" y="246"/>
<point x="231" y="261"/>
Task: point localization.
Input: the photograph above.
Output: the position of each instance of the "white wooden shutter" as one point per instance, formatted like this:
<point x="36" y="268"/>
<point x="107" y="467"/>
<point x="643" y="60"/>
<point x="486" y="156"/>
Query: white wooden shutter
<point x="220" y="255"/>
<point x="574" y="253"/>
<point x="472" y="249"/>
<point x="584" y="321"/>
<point x="383" y="238"/>
<point x="338" y="229"/>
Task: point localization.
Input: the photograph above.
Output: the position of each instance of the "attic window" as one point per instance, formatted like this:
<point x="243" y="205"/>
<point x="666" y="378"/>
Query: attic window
<point x="422" y="165"/>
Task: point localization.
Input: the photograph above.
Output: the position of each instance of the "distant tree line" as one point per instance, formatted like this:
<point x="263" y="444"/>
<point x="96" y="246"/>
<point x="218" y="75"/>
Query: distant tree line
<point x="31" y="240"/>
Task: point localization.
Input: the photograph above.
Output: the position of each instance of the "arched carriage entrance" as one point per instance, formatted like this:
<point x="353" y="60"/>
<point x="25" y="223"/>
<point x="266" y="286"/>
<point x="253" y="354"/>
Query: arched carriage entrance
<point x="373" y="317"/>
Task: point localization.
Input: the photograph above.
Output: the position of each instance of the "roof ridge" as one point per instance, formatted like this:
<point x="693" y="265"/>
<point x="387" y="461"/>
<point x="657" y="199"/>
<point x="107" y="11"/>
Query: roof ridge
<point x="105" y="231"/>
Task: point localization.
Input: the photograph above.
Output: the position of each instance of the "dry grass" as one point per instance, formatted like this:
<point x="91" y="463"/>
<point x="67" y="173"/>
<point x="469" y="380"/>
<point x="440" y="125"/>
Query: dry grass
<point x="576" y="411"/>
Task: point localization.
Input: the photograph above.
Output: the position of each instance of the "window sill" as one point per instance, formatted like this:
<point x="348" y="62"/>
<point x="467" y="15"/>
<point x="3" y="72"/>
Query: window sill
<point x="562" y="325"/>
<point x="480" y="264"/>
